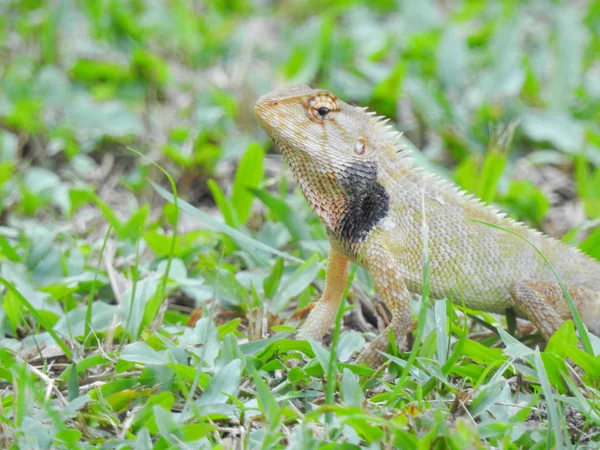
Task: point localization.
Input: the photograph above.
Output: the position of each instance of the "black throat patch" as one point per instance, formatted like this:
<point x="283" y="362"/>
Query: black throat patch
<point x="368" y="202"/>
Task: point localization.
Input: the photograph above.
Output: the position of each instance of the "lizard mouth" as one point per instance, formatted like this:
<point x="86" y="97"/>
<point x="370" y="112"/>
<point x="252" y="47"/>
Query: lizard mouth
<point x="262" y="113"/>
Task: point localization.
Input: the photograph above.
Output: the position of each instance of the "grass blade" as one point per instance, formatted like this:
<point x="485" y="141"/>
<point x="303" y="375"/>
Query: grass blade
<point x="223" y="228"/>
<point x="581" y="330"/>
<point x="553" y="414"/>
<point x="8" y="285"/>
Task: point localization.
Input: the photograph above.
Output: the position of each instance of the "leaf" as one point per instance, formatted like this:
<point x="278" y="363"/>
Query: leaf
<point x="452" y="58"/>
<point x="142" y="353"/>
<point x="94" y="120"/>
<point x="267" y="402"/>
<point x="527" y="201"/>
<point x="284" y="213"/>
<point x="249" y="175"/>
<point x="272" y="281"/>
<point x="350" y="343"/>
<point x="463" y="174"/>
<point x="224" y="384"/>
<point x="134" y="227"/>
<point x="352" y="394"/>
<point x="441" y="318"/>
<point x="487" y="397"/>
<point x="293" y="285"/>
<point x="321" y="353"/>
<point x="167" y="427"/>
<point x="564" y="335"/>
<point x="561" y="130"/>
<point x="482" y="354"/>
<point x="591" y="245"/>
<point x="553" y="415"/>
<point x="73" y="382"/>
<point x="138" y="309"/>
<point x="10" y="287"/>
<point x="571" y="38"/>
<point x="224" y="204"/>
<point x="222" y="227"/>
<point x="491" y="172"/>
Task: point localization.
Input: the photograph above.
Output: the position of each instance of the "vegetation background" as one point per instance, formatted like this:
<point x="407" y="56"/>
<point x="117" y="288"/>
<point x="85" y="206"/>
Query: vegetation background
<point x="92" y="242"/>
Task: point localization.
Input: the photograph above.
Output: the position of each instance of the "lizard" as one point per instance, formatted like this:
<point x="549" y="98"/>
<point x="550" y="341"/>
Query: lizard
<point x="366" y="189"/>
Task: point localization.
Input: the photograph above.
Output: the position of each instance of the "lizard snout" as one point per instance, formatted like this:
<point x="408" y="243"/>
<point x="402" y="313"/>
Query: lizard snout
<point x="260" y="110"/>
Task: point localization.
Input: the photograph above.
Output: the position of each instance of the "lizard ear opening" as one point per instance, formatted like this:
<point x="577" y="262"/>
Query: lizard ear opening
<point x="360" y="147"/>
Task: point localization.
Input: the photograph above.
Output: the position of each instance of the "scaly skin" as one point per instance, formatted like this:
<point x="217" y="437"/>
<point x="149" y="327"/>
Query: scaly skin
<point x="364" y="188"/>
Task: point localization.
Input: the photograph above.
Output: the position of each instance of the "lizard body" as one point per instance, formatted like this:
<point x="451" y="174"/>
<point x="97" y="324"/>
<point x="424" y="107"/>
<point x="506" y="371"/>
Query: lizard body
<point x="373" y="200"/>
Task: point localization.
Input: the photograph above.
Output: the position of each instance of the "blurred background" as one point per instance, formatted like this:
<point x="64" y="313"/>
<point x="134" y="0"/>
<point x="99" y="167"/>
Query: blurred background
<point x="502" y="97"/>
<point x="176" y="80"/>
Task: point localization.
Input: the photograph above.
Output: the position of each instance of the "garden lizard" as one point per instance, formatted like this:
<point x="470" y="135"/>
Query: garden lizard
<point x="373" y="201"/>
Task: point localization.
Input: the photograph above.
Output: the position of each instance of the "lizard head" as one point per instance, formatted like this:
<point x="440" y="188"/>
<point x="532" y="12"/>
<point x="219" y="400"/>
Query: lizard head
<point x="331" y="147"/>
<point x="317" y="123"/>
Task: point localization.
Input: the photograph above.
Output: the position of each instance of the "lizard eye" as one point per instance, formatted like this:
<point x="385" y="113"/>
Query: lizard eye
<point x="360" y="147"/>
<point x="323" y="111"/>
<point x="321" y="107"/>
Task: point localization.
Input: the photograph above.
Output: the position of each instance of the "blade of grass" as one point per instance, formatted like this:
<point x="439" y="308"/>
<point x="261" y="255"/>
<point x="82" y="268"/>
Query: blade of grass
<point x="581" y="330"/>
<point x="8" y="285"/>
<point x="88" y="310"/>
<point x="222" y="227"/>
<point x="132" y="300"/>
<point x="163" y="286"/>
<point x="189" y="396"/>
<point x="553" y="415"/>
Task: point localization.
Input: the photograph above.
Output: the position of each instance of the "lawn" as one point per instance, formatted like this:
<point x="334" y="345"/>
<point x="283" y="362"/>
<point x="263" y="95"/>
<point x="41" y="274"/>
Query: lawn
<point x="156" y="254"/>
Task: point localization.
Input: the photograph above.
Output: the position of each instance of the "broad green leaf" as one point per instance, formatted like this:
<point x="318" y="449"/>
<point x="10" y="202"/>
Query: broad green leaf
<point x="463" y="174"/>
<point x="133" y="228"/>
<point x="442" y="341"/>
<point x="168" y="428"/>
<point x="352" y="394"/>
<point x="570" y="42"/>
<point x="493" y="167"/>
<point x="321" y="353"/>
<point x="224" y="204"/>
<point x="591" y="245"/>
<point x="558" y="128"/>
<point x="527" y="201"/>
<point x="224" y="384"/>
<point x="564" y="335"/>
<point x="284" y="212"/>
<point x="142" y="353"/>
<point x="267" y="402"/>
<point x="222" y="227"/>
<point x="248" y="175"/>
<point x="482" y="354"/>
<point x="486" y="398"/>
<point x="297" y="282"/>
<point x="272" y="281"/>
<point x="350" y="343"/>
<point x="452" y="58"/>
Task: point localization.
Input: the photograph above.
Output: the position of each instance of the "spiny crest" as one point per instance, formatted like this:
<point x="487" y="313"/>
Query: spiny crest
<point x="387" y="131"/>
<point x="404" y="159"/>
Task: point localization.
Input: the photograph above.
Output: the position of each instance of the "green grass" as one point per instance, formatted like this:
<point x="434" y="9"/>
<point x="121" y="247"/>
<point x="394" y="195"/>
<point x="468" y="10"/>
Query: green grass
<point x="146" y="293"/>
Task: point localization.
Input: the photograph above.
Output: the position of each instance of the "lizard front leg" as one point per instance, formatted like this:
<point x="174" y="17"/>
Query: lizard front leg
<point x="323" y="314"/>
<point x="392" y="289"/>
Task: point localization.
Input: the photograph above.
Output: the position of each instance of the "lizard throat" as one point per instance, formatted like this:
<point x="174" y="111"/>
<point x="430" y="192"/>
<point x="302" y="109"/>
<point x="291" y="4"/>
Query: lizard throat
<point x="348" y="200"/>
<point x="368" y="202"/>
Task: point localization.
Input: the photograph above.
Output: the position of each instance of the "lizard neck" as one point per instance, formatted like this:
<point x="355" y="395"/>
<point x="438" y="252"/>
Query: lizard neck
<point x="348" y="199"/>
<point x="320" y="188"/>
